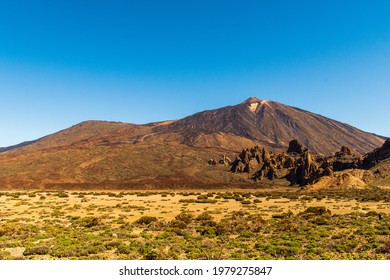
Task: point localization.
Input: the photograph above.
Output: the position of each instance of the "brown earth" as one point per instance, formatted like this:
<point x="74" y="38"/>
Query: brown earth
<point x="171" y="154"/>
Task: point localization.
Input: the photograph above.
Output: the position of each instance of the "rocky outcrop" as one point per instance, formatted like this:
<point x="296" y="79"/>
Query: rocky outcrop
<point x="264" y="164"/>
<point x="371" y="159"/>
<point x="300" y="166"/>
<point x="304" y="172"/>
<point x="249" y="159"/>
<point x="224" y="160"/>
<point x="344" y="159"/>
<point x="345" y="151"/>
<point x="295" y="147"/>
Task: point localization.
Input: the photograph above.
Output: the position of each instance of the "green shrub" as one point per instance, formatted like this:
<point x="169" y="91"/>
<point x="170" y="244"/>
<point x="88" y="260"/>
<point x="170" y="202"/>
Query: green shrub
<point x="146" y="220"/>
<point x="178" y="224"/>
<point x="185" y="217"/>
<point x="206" y="231"/>
<point x="204" y="217"/>
<point x="123" y="249"/>
<point x="112" y="244"/>
<point x="315" y="211"/>
<point x="151" y="256"/>
<point x="321" y="221"/>
<point x="63" y="195"/>
<point x="43" y="250"/>
<point x="89" y="222"/>
<point x="372" y="214"/>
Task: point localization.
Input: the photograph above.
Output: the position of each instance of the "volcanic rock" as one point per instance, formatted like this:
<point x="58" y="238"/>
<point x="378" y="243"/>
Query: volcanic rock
<point x="344" y="159"/>
<point x="372" y="158"/>
<point x="225" y="160"/>
<point x="295" y="147"/>
<point x="305" y="167"/>
<point x="346" y="151"/>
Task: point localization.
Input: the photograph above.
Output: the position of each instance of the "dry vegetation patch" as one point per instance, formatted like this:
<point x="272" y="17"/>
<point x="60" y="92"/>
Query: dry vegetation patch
<point x="239" y="224"/>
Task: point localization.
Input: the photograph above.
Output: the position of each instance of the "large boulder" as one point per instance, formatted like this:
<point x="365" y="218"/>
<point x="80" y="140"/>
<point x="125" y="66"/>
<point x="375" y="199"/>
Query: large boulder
<point x="271" y="174"/>
<point x="252" y="165"/>
<point x="327" y="168"/>
<point x="289" y="162"/>
<point x="344" y="159"/>
<point x="295" y="147"/>
<point x="245" y="156"/>
<point x="238" y="166"/>
<point x="345" y="151"/>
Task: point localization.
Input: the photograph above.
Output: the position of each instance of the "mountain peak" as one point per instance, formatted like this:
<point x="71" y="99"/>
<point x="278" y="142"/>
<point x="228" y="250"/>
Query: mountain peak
<point x="269" y="124"/>
<point x="252" y="99"/>
<point x="254" y="103"/>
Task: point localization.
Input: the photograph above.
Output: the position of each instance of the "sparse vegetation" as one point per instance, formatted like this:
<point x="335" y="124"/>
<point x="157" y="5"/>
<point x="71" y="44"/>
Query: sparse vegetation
<point x="235" y="225"/>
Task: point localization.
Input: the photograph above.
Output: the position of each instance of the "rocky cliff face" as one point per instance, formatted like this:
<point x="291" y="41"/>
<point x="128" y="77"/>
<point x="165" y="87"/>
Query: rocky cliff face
<point x="371" y="159"/>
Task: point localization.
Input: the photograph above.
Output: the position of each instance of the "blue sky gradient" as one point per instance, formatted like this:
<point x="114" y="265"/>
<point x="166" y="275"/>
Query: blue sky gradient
<point x="63" y="62"/>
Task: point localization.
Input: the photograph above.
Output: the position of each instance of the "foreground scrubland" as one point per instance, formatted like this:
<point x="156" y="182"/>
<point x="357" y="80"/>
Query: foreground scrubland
<point x="250" y="224"/>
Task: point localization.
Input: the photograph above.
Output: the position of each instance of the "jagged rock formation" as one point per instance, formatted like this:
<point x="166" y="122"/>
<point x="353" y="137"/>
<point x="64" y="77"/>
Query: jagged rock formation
<point x="345" y="151"/>
<point x="372" y="158"/>
<point x="295" y="147"/>
<point x="302" y="167"/>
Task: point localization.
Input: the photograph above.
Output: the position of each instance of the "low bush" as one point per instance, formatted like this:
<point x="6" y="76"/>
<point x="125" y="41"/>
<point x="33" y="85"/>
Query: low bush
<point x="63" y="195"/>
<point x="43" y="250"/>
<point x="146" y="220"/>
<point x="89" y="222"/>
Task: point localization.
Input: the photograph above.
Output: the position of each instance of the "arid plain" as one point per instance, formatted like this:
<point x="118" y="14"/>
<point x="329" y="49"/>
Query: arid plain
<point x="250" y="224"/>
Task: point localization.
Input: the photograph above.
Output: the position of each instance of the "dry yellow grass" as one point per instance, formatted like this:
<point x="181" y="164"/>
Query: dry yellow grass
<point x="250" y="224"/>
<point x="166" y="205"/>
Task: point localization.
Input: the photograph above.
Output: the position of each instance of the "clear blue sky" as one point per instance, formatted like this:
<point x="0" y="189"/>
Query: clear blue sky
<point x="63" y="62"/>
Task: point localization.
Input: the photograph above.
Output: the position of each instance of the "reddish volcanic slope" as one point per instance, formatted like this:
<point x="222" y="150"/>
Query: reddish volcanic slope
<point x="172" y="153"/>
<point x="273" y="125"/>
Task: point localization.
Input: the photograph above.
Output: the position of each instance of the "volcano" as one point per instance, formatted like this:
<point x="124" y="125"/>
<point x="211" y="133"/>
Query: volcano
<point x="171" y="154"/>
<point x="272" y="125"/>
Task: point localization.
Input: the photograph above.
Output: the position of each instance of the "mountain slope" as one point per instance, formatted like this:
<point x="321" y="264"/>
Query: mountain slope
<point x="171" y="154"/>
<point x="273" y="125"/>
